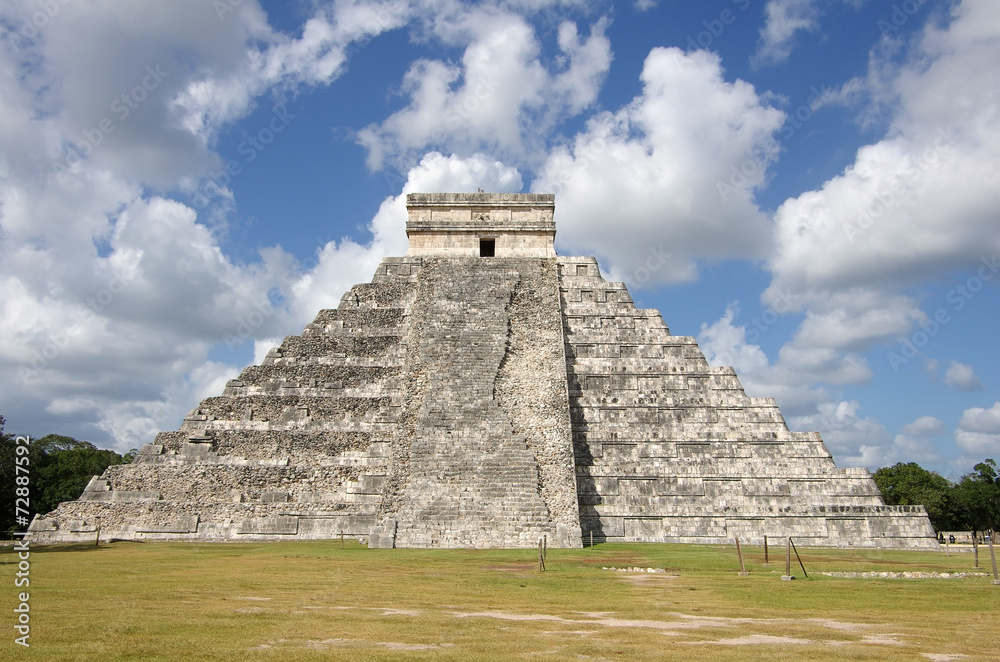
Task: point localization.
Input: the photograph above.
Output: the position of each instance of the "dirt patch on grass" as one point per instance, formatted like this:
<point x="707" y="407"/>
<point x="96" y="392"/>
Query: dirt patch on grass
<point x="754" y="640"/>
<point x="688" y="622"/>
<point x="640" y="580"/>
<point x="517" y="568"/>
<point x="358" y="643"/>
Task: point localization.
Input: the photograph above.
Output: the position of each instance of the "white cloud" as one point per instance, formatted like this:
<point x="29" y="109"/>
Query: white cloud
<point x="962" y="376"/>
<point x="726" y="344"/>
<point x="783" y="20"/>
<point x="792" y="380"/>
<point x="221" y="94"/>
<point x="645" y="5"/>
<point x="501" y="98"/>
<point x="913" y="443"/>
<point x="925" y="426"/>
<point x="99" y="79"/>
<point x="921" y="200"/>
<point x="666" y="174"/>
<point x="857" y="441"/>
<point x="978" y="433"/>
<point x="918" y="204"/>
<point x="120" y="327"/>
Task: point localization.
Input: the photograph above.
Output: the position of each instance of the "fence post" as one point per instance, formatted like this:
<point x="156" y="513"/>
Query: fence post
<point x="788" y="560"/>
<point x="799" y="559"/>
<point x="739" y="552"/>
<point x="993" y="559"/>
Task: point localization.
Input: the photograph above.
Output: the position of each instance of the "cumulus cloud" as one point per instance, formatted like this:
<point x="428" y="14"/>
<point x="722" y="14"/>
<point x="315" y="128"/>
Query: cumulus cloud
<point x="218" y="95"/>
<point x="962" y="376"/>
<point x="796" y="379"/>
<point x="918" y="204"/>
<point x="667" y="174"/>
<point x="925" y="426"/>
<point x="500" y="98"/>
<point x="978" y="433"/>
<point x="858" y="441"/>
<point x="914" y="443"/>
<point x="119" y="326"/>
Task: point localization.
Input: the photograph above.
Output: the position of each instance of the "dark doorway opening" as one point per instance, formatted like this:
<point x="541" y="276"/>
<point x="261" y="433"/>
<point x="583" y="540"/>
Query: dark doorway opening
<point x="487" y="247"/>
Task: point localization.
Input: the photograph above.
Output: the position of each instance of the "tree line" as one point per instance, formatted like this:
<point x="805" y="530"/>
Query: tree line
<point x="58" y="469"/>
<point x="970" y="504"/>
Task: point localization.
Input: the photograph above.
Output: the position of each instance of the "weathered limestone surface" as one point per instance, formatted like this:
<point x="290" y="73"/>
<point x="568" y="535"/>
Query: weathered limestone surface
<point x="671" y="449"/>
<point x="452" y="224"/>
<point x="298" y="446"/>
<point x="490" y="458"/>
<point x="466" y="401"/>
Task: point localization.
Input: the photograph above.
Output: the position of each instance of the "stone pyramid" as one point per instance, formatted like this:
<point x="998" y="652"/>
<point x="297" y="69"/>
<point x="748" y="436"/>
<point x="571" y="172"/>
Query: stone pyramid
<point x="483" y="392"/>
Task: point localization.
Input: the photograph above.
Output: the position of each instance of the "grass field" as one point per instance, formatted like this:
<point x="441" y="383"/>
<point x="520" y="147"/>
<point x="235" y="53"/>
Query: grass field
<point x="318" y="601"/>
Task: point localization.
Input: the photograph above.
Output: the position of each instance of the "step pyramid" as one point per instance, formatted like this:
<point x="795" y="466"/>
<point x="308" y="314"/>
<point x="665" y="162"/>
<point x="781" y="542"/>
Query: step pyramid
<point x="482" y="391"/>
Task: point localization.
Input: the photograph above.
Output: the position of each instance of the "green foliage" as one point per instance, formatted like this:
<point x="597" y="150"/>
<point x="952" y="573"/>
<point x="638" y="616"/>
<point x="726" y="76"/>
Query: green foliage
<point x="59" y="469"/>
<point x="971" y="504"/>
<point x="7" y="477"/>
<point x="909" y="484"/>
<point x="979" y="494"/>
<point x="64" y="469"/>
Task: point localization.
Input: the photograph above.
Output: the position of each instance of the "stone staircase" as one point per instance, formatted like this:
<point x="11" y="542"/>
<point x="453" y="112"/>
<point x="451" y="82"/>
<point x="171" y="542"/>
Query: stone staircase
<point x="472" y="481"/>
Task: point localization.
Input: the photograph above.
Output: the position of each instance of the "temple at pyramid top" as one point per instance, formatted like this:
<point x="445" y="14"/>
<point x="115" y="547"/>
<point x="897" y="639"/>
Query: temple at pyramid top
<point x="481" y="224"/>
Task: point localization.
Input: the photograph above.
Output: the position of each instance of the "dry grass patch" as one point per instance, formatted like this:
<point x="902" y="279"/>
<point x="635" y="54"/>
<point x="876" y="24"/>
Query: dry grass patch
<point x="316" y="601"/>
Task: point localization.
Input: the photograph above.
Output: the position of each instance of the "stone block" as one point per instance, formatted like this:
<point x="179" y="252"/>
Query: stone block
<point x="269" y="526"/>
<point x="178" y="525"/>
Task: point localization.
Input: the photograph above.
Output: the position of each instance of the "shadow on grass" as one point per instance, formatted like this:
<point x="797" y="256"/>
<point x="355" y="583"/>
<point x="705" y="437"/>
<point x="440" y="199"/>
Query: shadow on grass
<point x="74" y="547"/>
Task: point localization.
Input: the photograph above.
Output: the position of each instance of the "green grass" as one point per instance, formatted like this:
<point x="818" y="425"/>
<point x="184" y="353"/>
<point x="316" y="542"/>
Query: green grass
<point x="317" y="601"/>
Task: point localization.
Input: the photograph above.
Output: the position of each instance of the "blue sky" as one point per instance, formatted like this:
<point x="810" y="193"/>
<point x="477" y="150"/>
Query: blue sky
<point x="808" y="187"/>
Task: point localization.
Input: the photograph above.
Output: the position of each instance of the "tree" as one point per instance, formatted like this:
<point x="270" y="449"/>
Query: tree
<point x="909" y="484"/>
<point x="979" y="495"/>
<point x="65" y="466"/>
<point x="59" y="469"/>
<point x="7" y="477"/>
